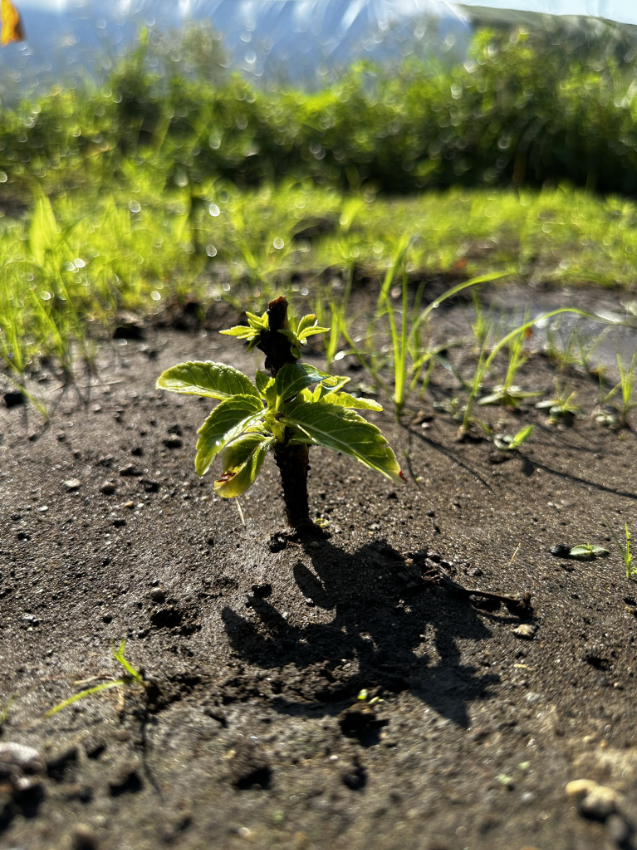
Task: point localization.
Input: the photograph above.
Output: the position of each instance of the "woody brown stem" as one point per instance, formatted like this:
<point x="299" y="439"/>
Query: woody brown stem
<point x="293" y="463"/>
<point x="292" y="460"/>
<point x="274" y="345"/>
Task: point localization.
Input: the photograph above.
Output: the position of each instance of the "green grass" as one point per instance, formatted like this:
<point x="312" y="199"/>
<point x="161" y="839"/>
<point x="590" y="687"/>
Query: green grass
<point x="130" y="677"/>
<point x="72" y="264"/>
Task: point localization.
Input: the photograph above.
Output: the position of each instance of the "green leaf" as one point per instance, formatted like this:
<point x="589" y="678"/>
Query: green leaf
<point x="293" y="378"/>
<point x="263" y="381"/>
<point x="312" y="332"/>
<point x="259" y="323"/>
<point x="521" y="437"/>
<point x="227" y="421"/>
<point x="350" y="401"/>
<point x="44" y="232"/>
<point x="588" y="552"/>
<point x="242" y="331"/>
<point x="330" y="385"/>
<point x="242" y="462"/>
<point x="306" y="322"/>
<point x="508" y="396"/>
<point x="213" y="380"/>
<point x="342" y="430"/>
<point x="308" y="326"/>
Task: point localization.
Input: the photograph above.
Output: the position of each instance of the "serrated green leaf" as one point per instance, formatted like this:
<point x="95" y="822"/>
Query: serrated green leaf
<point x="308" y="326"/>
<point x="334" y="383"/>
<point x="342" y="430"/>
<point x="259" y="323"/>
<point x="227" y="421"/>
<point x="311" y="332"/>
<point x="306" y="322"/>
<point x="263" y="381"/>
<point x="212" y="380"/>
<point x="237" y="452"/>
<point x="241" y="331"/>
<point x="350" y="401"/>
<point x="265" y="385"/>
<point x="242" y="462"/>
<point x="293" y="378"/>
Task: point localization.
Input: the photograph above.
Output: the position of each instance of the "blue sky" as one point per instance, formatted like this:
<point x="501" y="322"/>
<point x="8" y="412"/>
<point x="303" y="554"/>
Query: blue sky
<point x="615" y="10"/>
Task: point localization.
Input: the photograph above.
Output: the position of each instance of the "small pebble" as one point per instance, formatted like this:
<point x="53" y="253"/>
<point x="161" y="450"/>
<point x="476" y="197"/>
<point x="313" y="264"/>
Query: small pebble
<point x="84" y="838"/>
<point x="173" y="442"/>
<point x="594" y="801"/>
<point x="526" y="631"/>
<point x="73" y="484"/>
<point x="18" y="755"/>
<point x="108" y="488"/>
<point x="158" y="595"/>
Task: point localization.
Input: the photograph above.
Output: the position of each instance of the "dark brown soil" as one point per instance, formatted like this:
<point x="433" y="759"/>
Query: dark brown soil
<point x="256" y="647"/>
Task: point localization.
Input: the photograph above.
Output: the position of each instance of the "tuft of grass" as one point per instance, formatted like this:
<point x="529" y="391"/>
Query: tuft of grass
<point x="624" y="549"/>
<point x="131" y="677"/>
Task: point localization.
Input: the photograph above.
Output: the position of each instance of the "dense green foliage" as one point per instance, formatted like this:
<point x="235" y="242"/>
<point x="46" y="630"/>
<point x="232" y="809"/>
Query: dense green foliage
<point x="521" y="109"/>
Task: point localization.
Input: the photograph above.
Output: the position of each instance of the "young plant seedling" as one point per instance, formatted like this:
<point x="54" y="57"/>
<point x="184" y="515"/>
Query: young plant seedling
<point x="626" y="390"/>
<point x="131" y="676"/>
<point x="587" y="552"/>
<point x="507" y="443"/>
<point x="627" y="555"/>
<point x="278" y="413"/>
<point x="562" y="408"/>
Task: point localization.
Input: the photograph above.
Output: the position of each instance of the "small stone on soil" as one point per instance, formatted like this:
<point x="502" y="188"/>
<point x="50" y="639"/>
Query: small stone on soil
<point x="25" y="759"/>
<point x="73" y="484"/>
<point x="173" y="442"/>
<point x="108" y="488"/>
<point x="594" y="801"/>
<point x="526" y="631"/>
<point x="129" y="471"/>
<point x="84" y="838"/>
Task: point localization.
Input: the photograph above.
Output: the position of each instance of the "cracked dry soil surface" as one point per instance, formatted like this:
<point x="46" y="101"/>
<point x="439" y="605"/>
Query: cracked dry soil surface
<point x="256" y="648"/>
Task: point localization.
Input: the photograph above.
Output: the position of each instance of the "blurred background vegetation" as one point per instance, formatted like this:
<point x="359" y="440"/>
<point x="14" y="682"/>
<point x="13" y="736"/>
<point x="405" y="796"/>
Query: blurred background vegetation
<point x="522" y="109"/>
<point x="175" y="183"/>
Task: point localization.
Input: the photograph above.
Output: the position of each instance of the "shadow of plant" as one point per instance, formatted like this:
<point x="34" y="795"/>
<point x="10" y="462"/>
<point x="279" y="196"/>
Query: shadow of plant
<point x="390" y="632"/>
